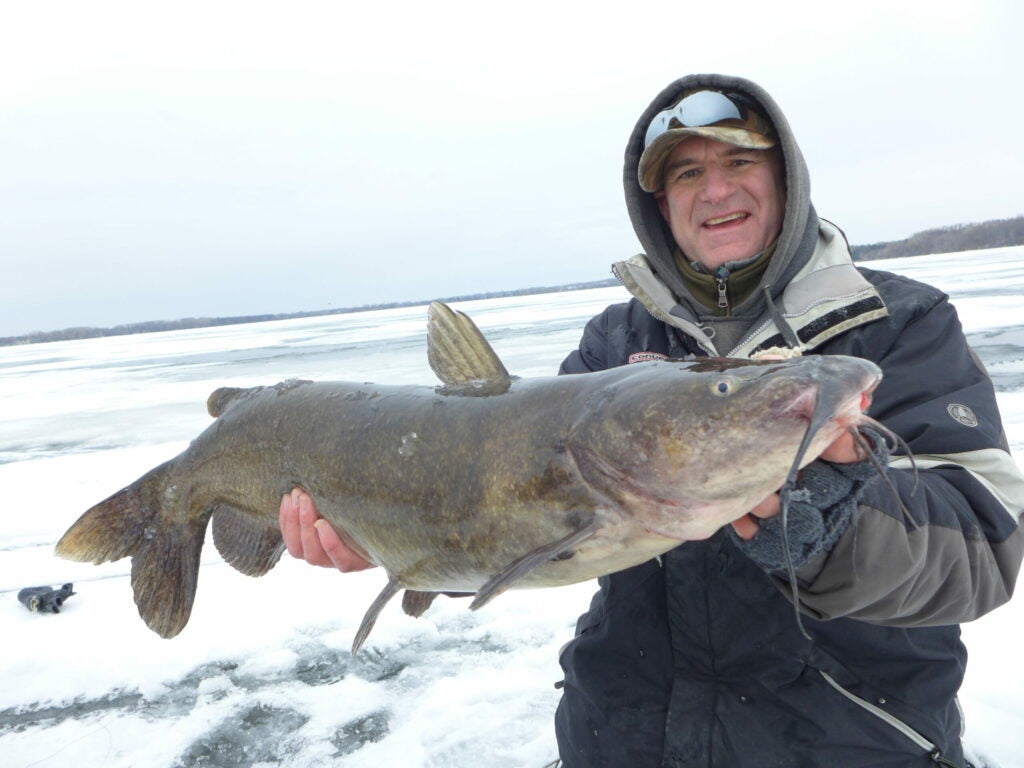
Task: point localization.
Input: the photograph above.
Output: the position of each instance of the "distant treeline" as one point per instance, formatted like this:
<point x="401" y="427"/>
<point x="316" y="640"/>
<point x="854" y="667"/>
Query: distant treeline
<point x="959" y="237"/>
<point x="150" y="326"/>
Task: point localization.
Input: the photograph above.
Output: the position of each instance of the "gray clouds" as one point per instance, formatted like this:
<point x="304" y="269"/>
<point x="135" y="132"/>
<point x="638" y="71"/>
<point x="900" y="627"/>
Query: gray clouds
<point x="240" y="158"/>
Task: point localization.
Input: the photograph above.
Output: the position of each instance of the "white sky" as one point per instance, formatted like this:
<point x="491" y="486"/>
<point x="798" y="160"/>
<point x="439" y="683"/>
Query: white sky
<point x="164" y="160"/>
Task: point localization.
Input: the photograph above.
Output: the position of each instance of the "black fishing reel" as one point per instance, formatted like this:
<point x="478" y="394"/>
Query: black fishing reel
<point x="45" y="599"/>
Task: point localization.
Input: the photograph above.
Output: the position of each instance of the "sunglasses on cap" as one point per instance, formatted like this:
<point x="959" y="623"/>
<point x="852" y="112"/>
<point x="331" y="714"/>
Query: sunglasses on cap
<point x="706" y="108"/>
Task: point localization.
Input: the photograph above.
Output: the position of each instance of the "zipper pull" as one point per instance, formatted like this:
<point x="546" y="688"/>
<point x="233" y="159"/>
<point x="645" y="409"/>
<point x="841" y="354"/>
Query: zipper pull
<point x="721" y="275"/>
<point x="937" y="758"/>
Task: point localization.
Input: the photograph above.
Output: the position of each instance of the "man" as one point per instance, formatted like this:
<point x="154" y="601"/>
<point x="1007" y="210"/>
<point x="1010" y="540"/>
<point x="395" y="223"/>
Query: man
<point x="696" y="658"/>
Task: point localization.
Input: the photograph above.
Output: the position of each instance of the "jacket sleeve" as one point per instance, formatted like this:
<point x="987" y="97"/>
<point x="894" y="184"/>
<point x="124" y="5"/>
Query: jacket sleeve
<point x="592" y="353"/>
<point x="942" y="544"/>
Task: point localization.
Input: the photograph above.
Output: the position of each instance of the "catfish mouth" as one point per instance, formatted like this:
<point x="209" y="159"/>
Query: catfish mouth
<point x="808" y="405"/>
<point x="839" y="411"/>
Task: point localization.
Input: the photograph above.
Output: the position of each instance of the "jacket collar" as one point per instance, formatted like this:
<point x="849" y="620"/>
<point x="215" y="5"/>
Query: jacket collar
<point x="825" y="298"/>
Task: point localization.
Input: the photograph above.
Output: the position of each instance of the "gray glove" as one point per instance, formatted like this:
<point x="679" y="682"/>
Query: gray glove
<point x="821" y="508"/>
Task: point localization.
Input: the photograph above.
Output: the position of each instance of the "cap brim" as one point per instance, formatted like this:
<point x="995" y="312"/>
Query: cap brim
<point x="649" y="172"/>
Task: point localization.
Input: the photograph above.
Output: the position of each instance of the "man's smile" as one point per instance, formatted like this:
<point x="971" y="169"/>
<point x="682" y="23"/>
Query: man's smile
<point x="719" y="221"/>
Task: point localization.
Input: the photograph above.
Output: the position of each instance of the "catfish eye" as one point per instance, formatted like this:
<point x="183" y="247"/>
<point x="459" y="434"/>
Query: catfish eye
<point x="723" y="386"/>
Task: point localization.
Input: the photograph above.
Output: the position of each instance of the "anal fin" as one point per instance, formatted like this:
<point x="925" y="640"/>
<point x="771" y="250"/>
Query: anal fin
<point x="249" y="543"/>
<point x="416" y="603"/>
<point x="519" y="568"/>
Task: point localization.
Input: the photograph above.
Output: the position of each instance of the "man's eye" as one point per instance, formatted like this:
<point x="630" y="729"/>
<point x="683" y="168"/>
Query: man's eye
<point x="686" y="175"/>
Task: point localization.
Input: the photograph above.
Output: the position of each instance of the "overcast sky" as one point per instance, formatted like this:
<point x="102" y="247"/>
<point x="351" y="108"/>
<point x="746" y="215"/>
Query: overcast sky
<point x="176" y="159"/>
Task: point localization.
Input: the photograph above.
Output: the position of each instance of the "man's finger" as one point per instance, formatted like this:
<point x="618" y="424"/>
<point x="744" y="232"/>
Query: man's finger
<point x="288" y="521"/>
<point x="341" y="557"/>
<point x="312" y="552"/>
<point x="746" y="527"/>
<point x="843" y="450"/>
<point x="770" y="507"/>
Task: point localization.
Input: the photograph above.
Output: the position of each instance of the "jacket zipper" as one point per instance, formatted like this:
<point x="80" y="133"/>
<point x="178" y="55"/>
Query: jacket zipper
<point x="721" y="276"/>
<point x="933" y="751"/>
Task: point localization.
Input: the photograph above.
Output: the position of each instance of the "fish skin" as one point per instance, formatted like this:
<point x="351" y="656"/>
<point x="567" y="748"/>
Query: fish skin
<point x="481" y="484"/>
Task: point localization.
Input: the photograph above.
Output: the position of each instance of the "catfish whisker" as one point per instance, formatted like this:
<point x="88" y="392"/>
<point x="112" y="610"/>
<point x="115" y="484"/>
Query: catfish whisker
<point x="897" y="441"/>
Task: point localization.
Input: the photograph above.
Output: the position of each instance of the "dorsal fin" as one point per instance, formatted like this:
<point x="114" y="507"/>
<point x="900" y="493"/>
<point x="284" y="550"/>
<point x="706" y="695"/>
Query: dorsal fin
<point x="459" y="353"/>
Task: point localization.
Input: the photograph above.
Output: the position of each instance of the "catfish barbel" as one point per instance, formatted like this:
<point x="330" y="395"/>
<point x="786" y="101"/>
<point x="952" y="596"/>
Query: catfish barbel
<point x="484" y="483"/>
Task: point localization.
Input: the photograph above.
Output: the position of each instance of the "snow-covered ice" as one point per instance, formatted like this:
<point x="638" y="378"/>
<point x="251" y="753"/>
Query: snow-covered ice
<point x="262" y="674"/>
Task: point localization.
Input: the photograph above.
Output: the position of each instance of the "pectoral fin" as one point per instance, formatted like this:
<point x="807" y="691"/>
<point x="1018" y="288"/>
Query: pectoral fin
<point x="372" y="613"/>
<point x="517" y="569"/>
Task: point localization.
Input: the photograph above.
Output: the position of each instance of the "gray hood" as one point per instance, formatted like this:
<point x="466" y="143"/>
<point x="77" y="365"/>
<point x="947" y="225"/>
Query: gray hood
<point x="800" y="223"/>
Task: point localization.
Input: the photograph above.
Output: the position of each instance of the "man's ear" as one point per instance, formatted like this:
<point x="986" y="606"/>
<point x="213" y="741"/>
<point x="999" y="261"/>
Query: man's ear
<point x="662" y="203"/>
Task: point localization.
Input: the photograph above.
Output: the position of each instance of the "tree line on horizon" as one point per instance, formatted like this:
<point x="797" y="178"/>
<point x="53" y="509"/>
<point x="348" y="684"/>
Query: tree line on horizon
<point x="997" y="233"/>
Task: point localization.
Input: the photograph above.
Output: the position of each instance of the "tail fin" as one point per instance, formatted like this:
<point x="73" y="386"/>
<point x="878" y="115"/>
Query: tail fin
<point x="164" y="548"/>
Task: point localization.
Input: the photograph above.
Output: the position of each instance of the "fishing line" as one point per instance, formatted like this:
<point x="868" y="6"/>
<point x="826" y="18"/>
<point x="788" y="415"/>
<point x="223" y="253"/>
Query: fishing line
<point x="102" y="727"/>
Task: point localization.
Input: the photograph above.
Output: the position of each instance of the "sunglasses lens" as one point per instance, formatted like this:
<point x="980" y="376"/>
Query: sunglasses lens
<point x="698" y="109"/>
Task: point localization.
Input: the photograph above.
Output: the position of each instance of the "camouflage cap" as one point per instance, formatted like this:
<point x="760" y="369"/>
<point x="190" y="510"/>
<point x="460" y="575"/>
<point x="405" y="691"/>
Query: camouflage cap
<point x="727" y="117"/>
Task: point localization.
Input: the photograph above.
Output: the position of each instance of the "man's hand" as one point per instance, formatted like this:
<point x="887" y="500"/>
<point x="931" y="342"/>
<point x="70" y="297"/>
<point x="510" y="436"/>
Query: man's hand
<point x="309" y="537"/>
<point x="747" y="526"/>
<point x="843" y="450"/>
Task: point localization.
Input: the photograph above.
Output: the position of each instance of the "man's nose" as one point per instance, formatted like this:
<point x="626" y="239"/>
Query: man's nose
<point x="717" y="184"/>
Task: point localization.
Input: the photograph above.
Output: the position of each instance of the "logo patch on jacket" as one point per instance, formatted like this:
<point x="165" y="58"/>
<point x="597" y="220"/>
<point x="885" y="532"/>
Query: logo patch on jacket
<point x="643" y="357"/>
<point x="963" y="414"/>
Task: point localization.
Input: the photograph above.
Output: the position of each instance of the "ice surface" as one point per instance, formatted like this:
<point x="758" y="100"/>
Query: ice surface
<point x="262" y="674"/>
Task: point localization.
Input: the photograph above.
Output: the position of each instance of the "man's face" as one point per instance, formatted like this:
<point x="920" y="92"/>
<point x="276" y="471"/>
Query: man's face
<point x="722" y="203"/>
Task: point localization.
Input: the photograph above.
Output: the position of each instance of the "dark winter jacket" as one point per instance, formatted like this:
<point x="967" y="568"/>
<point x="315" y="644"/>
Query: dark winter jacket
<point x="695" y="659"/>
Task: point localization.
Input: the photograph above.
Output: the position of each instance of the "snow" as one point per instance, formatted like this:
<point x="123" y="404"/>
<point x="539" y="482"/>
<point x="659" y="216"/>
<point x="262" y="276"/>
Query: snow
<point x="262" y="675"/>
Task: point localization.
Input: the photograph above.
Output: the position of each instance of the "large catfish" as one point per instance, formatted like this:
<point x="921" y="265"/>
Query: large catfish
<point x="484" y="483"/>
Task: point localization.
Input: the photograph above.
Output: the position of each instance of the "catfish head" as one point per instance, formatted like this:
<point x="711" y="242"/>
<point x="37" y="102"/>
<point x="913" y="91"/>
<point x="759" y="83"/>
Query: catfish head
<point x="685" y="447"/>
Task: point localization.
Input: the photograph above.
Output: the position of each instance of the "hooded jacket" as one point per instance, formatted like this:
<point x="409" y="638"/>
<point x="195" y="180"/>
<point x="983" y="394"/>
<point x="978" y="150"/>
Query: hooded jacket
<point x="695" y="659"/>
